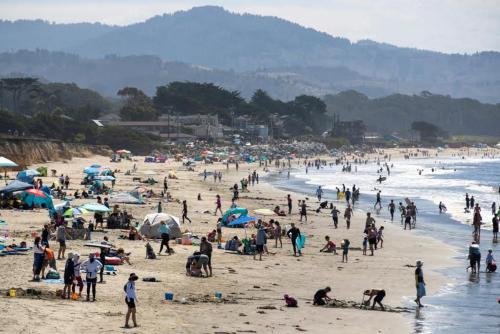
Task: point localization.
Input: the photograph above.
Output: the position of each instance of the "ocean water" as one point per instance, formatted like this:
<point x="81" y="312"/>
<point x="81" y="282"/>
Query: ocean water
<point x="467" y="303"/>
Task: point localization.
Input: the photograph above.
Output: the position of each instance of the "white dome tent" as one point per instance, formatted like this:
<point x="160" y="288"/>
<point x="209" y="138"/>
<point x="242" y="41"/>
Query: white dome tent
<point x="151" y="226"/>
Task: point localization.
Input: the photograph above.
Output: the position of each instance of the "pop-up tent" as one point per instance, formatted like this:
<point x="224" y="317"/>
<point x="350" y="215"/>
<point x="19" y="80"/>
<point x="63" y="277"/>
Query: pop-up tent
<point x="27" y="175"/>
<point x="125" y="198"/>
<point x="152" y="222"/>
<point x="16" y="185"/>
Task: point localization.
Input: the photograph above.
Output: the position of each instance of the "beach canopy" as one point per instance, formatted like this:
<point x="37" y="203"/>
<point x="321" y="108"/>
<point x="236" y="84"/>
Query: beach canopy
<point x="4" y="162"/>
<point x="152" y="222"/>
<point x="75" y="212"/>
<point x="123" y="152"/>
<point x="95" y="207"/>
<point x="15" y="185"/>
<point x="126" y="198"/>
<point x="242" y="221"/>
<point x="264" y="212"/>
<point x="235" y="211"/>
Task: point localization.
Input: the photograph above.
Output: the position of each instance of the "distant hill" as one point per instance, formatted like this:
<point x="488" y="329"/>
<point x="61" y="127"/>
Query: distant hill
<point x="215" y="38"/>
<point x="396" y="112"/>
<point x="108" y="75"/>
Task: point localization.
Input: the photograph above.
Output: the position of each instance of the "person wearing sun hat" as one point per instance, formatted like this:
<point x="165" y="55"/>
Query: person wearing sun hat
<point x="130" y="299"/>
<point x="419" y="283"/>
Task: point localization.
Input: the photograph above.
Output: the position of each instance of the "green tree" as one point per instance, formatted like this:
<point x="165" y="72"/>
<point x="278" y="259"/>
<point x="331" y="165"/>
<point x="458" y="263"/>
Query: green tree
<point x="138" y="106"/>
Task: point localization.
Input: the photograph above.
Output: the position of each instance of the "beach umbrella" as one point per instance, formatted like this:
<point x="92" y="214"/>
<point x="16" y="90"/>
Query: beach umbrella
<point x="15" y="185"/>
<point x="92" y="170"/>
<point x="4" y="162"/>
<point x="35" y="197"/>
<point x="95" y="207"/>
<point x="105" y="178"/>
<point x="28" y="173"/>
<point x="75" y="212"/>
<point x="264" y="212"/>
<point x="242" y="221"/>
<point x="123" y="152"/>
<point x="36" y="193"/>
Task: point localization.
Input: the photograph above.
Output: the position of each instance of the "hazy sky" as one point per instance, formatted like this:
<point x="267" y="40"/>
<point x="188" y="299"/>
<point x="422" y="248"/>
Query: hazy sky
<point x="442" y="25"/>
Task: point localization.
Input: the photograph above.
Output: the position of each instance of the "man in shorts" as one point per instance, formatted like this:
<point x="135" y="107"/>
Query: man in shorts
<point x="61" y="238"/>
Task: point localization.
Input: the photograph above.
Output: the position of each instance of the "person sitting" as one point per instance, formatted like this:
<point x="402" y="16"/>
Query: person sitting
<point x="330" y="246"/>
<point x="133" y="234"/>
<point x="379" y="296"/>
<point x="278" y="211"/>
<point x="85" y="194"/>
<point x="123" y="257"/>
<point x="321" y="296"/>
<point x="211" y="236"/>
<point x="234" y="244"/>
<point x="491" y="266"/>
<point x="290" y="301"/>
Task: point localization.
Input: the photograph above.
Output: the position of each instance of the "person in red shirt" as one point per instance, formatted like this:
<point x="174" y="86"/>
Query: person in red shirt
<point x="330" y="246"/>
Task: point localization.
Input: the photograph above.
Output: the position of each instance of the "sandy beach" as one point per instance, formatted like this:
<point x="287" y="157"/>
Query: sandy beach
<point x="252" y="291"/>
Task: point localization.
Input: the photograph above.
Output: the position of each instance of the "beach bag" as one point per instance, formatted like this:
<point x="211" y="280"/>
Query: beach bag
<point x="52" y="274"/>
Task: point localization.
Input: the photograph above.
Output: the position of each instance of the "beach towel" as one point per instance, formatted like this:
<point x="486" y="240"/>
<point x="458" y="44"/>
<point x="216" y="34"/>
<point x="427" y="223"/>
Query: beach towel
<point x="300" y="242"/>
<point x="53" y="281"/>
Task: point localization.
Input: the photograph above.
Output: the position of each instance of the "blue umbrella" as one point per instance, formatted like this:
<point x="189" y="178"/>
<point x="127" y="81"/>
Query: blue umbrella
<point x="29" y="173"/>
<point x="242" y="221"/>
<point x="92" y="170"/>
<point x="15" y="185"/>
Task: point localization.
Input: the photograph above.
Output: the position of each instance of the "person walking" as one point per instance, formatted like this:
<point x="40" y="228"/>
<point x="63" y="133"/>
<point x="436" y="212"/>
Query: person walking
<point x="218" y="205"/>
<point x="277" y="235"/>
<point x="260" y="242"/>
<point x="185" y="212"/>
<point x="335" y="216"/>
<point x="165" y="237"/>
<point x="131" y="300"/>
<point x="293" y="233"/>
<point x="419" y="283"/>
<point x="378" y="201"/>
<point x="92" y="267"/>
<point x="61" y="238"/>
<point x="347" y="215"/>
<point x="495" y="228"/>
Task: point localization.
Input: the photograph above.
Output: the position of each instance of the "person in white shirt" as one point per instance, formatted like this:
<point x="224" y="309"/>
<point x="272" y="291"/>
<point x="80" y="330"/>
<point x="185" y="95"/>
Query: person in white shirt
<point x="130" y="299"/>
<point x="92" y="266"/>
<point x="78" y="277"/>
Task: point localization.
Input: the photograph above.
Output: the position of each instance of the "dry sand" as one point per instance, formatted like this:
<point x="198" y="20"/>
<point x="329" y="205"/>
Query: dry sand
<point x="246" y="285"/>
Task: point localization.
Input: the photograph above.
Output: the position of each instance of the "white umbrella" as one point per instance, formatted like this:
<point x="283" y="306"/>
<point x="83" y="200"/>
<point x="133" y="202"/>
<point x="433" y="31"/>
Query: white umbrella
<point x="4" y="162"/>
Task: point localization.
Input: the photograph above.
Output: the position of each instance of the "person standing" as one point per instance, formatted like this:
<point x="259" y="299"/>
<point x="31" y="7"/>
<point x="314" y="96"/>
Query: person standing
<point x="347" y="216"/>
<point x="69" y="275"/>
<point x="219" y="231"/>
<point x="345" y="249"/>
<point x="185" y="212"/>
<point x="92" y="266"/>
<point x="102" y="257"/>
<point x="378" y="201"/>
<point x="289" y="202"/>
<point x="206" y="248"/>
<point x="165" y="184"/>
<point x="277" y="234"/>
<point x="372" y="239"/>
<point x="165" y="237"/>
<point x="38" y="253"/>
<point x="45" y="235"/>
<point x="78" y="276"/>
<point x="260" y="242"/>
<point x="392" y="208"/>
<point x="467" y="201"/>
<point x="419" y="283"/>
<point x="472" y="201"/>
<point x="319" y="193"/>
<point x="159" y="208"/>
<point x="495" y="228"/>
<point x="293" y="233"/>
<point x="303" y="210"/>
<point x="131" y="299"/>
<point x="61" y="238"/>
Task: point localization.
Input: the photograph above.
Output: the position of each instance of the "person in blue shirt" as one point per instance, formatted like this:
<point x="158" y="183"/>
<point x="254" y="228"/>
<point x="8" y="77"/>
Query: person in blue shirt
<point x="165" y="237"/>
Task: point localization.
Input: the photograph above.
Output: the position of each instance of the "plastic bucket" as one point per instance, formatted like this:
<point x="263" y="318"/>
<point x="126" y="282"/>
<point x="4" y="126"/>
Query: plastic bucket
<point x="12" y="292"/>
<point x="169" y="296"/>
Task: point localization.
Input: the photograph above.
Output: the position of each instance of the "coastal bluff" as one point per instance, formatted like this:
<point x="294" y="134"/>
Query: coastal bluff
<point x="31" y="150"/>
